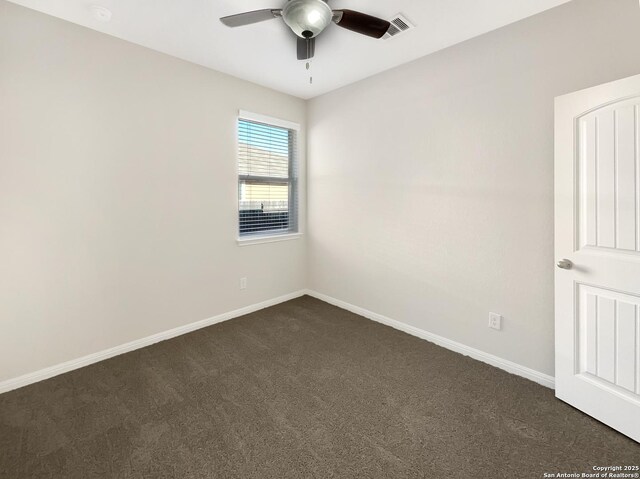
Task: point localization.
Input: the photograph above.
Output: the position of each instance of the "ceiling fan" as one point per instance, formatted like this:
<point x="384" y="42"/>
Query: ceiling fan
<point x="308" y="18"/>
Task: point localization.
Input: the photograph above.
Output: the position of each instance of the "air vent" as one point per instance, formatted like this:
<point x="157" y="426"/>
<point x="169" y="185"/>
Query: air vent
<point x="399" y="24"/>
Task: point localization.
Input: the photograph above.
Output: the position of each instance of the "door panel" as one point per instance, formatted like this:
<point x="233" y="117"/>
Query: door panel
<point x="628" y="214"/>
<point x="597" y="228"/>
<point x="608" y="181"/>
<point x="607" y="348"/>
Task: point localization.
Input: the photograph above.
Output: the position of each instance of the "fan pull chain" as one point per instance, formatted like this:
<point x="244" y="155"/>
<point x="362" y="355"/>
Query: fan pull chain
<point x="310" y="74"/>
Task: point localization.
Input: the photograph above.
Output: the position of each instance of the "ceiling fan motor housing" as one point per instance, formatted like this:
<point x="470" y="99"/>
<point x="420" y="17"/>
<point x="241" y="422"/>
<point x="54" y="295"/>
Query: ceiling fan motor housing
<point x="307" y="18"/>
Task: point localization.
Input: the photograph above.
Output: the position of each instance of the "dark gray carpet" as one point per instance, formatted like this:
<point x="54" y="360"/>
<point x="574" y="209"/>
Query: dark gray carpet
<point x="302" y="389"/>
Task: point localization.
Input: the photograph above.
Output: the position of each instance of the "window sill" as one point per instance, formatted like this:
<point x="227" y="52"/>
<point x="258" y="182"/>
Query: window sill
<point x="247" y="241"/>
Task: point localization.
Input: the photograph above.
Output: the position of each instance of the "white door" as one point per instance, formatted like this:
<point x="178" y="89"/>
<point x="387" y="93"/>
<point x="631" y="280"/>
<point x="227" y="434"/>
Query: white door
<point x="597" y="234"/>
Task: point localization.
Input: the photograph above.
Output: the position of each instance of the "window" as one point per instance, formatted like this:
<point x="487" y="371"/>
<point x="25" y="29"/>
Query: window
<point x="267" y="176"/>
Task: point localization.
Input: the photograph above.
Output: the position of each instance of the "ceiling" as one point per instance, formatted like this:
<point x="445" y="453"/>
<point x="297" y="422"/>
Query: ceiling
<point x="265" y="53"/>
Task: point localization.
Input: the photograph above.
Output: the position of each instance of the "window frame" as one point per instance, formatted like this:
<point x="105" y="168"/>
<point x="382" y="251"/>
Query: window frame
<point x="270" y="236"/>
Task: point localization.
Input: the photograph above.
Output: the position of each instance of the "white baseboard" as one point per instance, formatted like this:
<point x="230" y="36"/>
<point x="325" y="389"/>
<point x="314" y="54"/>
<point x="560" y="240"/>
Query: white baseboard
<point x="509" y="366"/>
<point x="67" y="366"/>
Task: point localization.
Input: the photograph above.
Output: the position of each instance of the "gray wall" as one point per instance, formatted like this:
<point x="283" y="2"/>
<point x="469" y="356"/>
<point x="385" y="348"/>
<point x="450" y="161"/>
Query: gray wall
<point x="118" y="193"/>
<point x="431" y="185"/>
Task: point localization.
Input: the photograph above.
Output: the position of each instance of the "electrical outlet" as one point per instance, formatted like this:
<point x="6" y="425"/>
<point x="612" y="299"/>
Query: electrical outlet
<point x="243" y="283"/>
<point x="495" y="321"/>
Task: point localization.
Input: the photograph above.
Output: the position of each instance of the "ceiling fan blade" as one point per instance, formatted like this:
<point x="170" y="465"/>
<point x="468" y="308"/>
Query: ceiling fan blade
<point x="361" y="23"/>
<point x="247" y="18"/>
<point x="306" y="48"/>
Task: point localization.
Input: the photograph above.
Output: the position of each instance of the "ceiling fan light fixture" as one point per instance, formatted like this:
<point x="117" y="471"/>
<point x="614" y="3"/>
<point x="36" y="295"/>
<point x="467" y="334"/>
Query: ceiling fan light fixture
<point x="307" y="18"/>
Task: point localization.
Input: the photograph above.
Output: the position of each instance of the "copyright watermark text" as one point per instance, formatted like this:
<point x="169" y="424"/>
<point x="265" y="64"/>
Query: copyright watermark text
<point x="600" y="472"/>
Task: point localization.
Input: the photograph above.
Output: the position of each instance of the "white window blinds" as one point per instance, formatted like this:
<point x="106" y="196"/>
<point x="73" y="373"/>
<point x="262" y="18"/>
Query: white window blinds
<point x="267" y="179"/>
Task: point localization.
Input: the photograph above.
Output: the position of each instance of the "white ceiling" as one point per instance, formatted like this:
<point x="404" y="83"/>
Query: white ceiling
<point x="265" y="53"/>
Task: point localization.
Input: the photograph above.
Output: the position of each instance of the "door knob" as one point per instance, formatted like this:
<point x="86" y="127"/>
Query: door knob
<point x="565" y="264"/>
